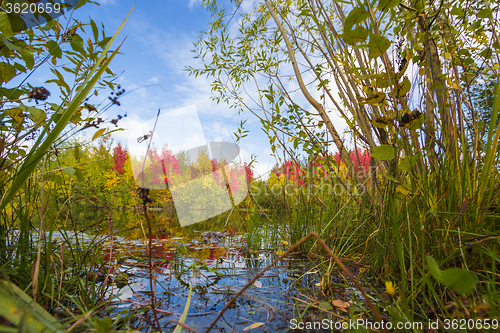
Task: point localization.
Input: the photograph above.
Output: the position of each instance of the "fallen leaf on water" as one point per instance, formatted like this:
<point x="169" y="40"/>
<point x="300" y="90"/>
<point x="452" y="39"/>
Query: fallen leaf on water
<point x="325" y="305"/>
<point x="340" y="304"/>
<point x="254" y="325"/>
<point x="279" y="252"/>
<point x="284" y="242"/>
<point x="258" y="284"/>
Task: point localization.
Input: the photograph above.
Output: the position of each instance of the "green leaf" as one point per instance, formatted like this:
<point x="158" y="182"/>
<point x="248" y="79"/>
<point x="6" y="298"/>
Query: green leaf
<point x="79" y="175"/>
<point x="27" y="55"/>
<point x="384" y="5"/>
<point x="11" y="93"/>
<point x="377" y="45"/>
<point x="383" y="152"/>
<point x="326" y="305"/>
<point x="16" y="114"/>
<point x="404" y="87"/>
<point x="486" y="53"/>
<point x="391" y="178"/>
<point x="69" y="171"/>
<point x="461" y="280"/>
<point x="54" y="48"/>
<point x="434" y="269"/>
<point x="10" y="45"/>
<point x="484" y="13"/>
<point x="417" y="123"/>
<point x="5" y="26"/>
<point x="408" y="162"/>
<point x="103" y="324"/>
<point x="77" y="44"/>
<point x="23" y="312"/>
<point x="98" y="133"/>
<point x="95" y="31"/>
<point x="36" y="114"/>
<point x="354" y="36"/>
<point x="457" y="11"/>
<point x="7" y="72"/>
<point x="357" y="15"/>
<point x="373" y="99"/>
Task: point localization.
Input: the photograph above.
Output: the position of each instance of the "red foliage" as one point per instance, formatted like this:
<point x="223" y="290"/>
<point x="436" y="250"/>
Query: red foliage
<point x="291" y="171"/>
<point x="120" y="156"/>
<point x="249" y="173"/>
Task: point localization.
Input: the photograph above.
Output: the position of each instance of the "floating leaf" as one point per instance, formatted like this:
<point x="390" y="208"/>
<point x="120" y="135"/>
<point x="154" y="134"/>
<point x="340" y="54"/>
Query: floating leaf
<point x="280" y="252"/>
<point x="122" y="280"/>
<point x="284" y="242"/>
<point x="383" y="152"/>
<point x="254" y="325"/>
<point x="258" y="284"/>
<point x="326" y="305"/>
<point x="341" y="304"/>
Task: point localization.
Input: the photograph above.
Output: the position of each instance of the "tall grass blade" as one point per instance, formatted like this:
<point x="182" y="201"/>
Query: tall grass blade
<point x="491" y="147"/>
<point x="36" y="154"/>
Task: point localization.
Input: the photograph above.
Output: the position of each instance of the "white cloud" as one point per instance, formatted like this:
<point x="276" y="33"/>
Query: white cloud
<point x="193" y="3"/>
<point x="154" y="80"/>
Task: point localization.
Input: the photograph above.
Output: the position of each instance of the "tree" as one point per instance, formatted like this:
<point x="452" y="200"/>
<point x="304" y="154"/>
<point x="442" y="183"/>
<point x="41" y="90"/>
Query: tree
<point x="392" y="71"/>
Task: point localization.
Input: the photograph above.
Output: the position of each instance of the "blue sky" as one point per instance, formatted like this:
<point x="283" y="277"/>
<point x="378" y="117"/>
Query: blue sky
<point x="160" y="35"/>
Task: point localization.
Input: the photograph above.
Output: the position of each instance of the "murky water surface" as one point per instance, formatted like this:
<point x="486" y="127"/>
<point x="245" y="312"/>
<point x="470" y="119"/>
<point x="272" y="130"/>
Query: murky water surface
<point x="215" y="265"/>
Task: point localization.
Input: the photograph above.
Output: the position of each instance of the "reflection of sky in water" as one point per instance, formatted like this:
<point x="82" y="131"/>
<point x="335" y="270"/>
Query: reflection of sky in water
<point x="211" y="292"/>
<point x="270" y="303"/>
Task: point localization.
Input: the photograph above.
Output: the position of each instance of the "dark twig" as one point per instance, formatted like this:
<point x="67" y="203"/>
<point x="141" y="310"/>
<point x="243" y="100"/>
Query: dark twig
<point x="183" y="325"/>
<point x="287" y="252"/>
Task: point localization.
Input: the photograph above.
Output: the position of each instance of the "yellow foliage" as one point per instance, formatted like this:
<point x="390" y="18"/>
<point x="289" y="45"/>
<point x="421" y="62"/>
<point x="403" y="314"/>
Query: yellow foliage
<point x="112" y="179"/>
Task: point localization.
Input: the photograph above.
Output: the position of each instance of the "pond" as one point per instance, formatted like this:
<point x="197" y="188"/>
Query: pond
<point x="214" y="265"/>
